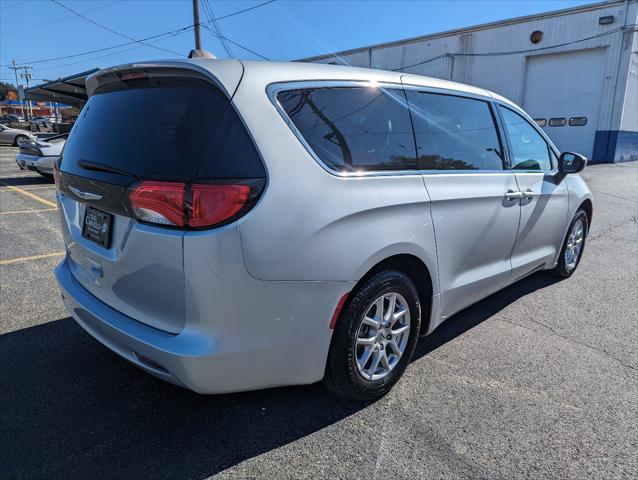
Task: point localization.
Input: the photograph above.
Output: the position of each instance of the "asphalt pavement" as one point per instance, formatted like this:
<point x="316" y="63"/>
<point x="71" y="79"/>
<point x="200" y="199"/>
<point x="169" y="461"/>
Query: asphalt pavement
<point x="537" y="381"/>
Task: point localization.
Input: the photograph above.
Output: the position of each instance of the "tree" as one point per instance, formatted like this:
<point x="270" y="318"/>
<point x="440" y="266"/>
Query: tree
<point x="6" y="89"/>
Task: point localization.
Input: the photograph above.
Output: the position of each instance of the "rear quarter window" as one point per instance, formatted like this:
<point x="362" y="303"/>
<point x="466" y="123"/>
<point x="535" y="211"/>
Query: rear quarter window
<point x="354" y="128"/>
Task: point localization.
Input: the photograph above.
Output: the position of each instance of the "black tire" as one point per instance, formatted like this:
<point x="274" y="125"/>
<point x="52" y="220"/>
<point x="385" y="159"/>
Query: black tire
<point x="342" y="376"/>
<point x="562" y="270"/>
<point x="18" y="139"/>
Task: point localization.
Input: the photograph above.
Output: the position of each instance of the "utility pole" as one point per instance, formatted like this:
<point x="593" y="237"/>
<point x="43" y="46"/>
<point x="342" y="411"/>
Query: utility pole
<point x="15" y="71"/>
<point x="26" y="75"/>
<point x="198" y="52"/>
<point x="198" y="40"/>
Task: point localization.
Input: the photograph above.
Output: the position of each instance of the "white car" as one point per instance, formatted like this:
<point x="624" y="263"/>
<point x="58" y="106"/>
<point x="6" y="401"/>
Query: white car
<point x="14" y="136"/>
<point x="40" y="155"/>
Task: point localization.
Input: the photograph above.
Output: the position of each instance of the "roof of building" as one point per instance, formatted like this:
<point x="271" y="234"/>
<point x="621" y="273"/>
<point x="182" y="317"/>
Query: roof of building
<point x="70" y="90"/>
<point x="473" y="28"/>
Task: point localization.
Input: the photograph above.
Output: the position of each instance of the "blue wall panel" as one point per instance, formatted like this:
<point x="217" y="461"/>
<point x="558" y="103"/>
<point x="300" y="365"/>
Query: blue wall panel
<point x="611" y="146"/>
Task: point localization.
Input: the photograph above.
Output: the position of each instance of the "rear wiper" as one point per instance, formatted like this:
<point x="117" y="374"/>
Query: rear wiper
<point x="100" y="167"/>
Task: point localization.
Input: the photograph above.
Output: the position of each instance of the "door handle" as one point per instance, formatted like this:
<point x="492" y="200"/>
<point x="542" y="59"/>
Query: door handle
<point x="530" y="194"/>
<point x="512" y="195"/>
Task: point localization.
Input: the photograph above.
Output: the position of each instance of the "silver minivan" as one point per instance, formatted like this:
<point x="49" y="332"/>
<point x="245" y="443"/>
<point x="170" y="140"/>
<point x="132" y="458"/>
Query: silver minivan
<point x="237" y="225"/>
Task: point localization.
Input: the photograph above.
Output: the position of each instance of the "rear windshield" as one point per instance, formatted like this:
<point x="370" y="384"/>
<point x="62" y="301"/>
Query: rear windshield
<point x="159" y="128"/>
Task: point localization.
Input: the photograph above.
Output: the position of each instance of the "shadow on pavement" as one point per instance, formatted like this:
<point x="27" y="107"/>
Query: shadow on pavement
<point x="470" y="318"/>
<point x="72" y="409"/>
<point x="25" y="181"/>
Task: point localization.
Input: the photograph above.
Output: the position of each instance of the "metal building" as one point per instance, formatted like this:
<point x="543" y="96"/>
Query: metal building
<point x="575" y="71"/>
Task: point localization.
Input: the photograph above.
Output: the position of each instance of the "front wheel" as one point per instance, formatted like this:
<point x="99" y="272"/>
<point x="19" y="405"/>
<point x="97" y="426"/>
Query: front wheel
<point x="573" y="245"/>
<point x="375" y="337"/>
<point x="19" y="139"/>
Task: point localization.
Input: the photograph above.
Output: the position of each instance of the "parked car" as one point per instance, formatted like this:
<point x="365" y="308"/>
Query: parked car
<point x="9" y="119"/>
<point x="41" y="155"/>
<point x="38" y="124"/>
<point x="13" y="136"/>
<point x="242" y="225"/>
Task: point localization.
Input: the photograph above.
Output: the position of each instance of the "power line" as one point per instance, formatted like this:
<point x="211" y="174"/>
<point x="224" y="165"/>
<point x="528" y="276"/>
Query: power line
<point x="104" y="27"/>
<point x="33" y="27"/>
<point x="5" y="79"/>
<point x="236" y="44"/>
<point x="515" y="52"/>
<point x="87" y="60"/>
<point x="244" y="10"/>
<point x="172" y="32"/>
<point x="211" y="17"/>
<point x="146" y="39"/>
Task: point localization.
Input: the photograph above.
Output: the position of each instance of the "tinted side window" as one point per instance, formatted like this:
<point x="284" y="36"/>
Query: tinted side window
<point x="454" y="133"/>
<point x="354" y="128"/>
<point x="529" y="149"/>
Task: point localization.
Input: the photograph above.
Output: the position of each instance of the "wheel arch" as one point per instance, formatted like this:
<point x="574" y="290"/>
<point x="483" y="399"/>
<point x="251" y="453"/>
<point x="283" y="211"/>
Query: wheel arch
<point x="17" y="136"/>
<point x="418" y="271"/>
<point x="588" y="206"/>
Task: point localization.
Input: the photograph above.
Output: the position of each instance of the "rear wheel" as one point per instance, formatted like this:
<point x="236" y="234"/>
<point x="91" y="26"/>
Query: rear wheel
<point x="375" y="337"/>
<point x="573" y="245"/>
<point x="18" y="139"/>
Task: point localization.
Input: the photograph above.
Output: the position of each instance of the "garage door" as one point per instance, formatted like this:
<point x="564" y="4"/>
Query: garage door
<point x="562" y="92"/>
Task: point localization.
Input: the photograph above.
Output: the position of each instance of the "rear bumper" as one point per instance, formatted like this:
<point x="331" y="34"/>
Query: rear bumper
<point x="33" y="162"/>
<point x="211" y="359"/>
<point x="171" y="356"/>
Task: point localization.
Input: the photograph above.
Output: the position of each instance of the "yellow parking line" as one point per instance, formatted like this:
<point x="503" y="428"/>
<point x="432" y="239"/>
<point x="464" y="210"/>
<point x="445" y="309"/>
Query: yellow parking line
<point x="35" y="257"/>
<point x="29" y="211"/>
<point x="29" y="194"/>
<point x="38" y="187"/>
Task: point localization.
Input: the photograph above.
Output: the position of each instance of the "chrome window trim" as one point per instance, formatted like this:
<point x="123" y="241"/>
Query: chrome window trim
<point x="275" y="88"/>
<point x="448" y="91"/>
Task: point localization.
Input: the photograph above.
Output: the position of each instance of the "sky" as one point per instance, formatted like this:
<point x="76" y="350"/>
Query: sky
<point x="40" y="32"/>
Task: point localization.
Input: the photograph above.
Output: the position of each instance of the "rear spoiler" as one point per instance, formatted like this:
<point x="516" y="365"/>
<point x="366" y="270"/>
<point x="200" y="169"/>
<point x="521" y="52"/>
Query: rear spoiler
<point x="226" y="74"/>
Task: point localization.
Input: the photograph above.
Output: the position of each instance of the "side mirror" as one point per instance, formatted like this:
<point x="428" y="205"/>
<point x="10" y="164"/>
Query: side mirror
<point x="570" y="162"/>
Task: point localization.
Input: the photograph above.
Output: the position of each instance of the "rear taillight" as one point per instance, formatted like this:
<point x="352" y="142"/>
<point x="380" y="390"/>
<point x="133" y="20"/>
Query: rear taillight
<point x="213" y="204"/>
<point x="159" y="202"/>
<point x="197" y="205"/>
<point x="30" y="149"/>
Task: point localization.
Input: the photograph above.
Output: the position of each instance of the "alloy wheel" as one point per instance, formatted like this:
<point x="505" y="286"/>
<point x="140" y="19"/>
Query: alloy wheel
<point x="574" y="244"/>
<point x="382" y="336"/>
